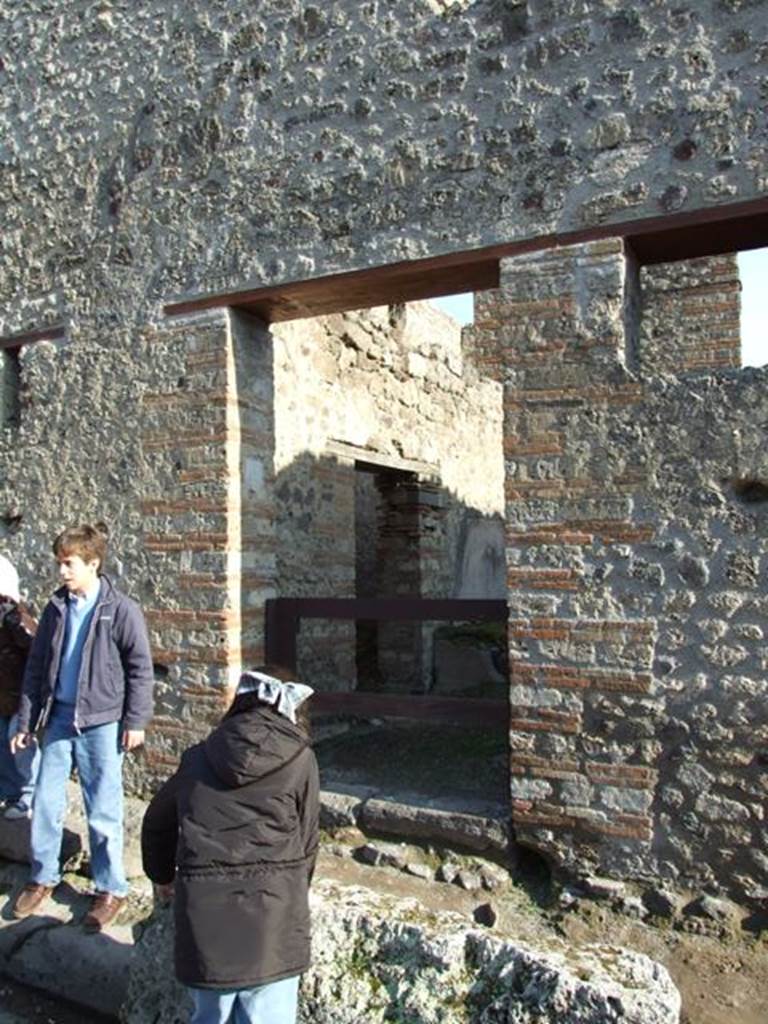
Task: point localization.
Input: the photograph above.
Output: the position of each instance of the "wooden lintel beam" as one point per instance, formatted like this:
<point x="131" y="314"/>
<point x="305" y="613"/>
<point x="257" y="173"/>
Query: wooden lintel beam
<point x="387" y="609"/>
<point x="696" y="240"/>
<point x="654" y="239"/>
<point x="27" y="337"/>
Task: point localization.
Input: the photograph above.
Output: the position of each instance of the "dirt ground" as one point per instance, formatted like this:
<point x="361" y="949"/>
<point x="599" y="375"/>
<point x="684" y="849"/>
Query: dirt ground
<point x="722" y="980"/>
<point x="419" y="757"/>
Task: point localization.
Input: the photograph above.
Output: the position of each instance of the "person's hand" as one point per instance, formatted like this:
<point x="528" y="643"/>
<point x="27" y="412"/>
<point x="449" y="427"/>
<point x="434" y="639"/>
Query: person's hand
<point x="132" y="738"/>
<point x="164" y="893"/>
<point x="21" y="741"/>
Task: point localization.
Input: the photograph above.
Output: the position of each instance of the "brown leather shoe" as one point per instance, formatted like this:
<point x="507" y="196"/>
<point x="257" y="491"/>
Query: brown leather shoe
<point x="30" y="898"/>
<point x="104" y="909"/>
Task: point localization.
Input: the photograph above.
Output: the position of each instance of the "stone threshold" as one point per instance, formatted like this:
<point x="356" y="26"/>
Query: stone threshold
<point x="477" y="826"/>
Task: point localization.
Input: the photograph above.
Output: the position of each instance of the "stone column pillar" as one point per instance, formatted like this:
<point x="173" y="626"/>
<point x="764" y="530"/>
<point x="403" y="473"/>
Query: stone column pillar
<point x="580" y="667"/>
<point x="208" y="520"/>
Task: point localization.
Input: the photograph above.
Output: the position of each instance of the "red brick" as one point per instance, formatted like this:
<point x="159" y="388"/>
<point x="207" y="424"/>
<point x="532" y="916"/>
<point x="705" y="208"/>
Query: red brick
<point x="186" y="542"/>
<point x="625" y="775"/>
<point x="543" y="763"/>
<point x="568" y="677"/>
<point x="547" y="721"/>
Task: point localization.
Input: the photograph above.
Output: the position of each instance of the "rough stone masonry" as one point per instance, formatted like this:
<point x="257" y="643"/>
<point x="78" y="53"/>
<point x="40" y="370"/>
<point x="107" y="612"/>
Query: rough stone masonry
<point x="637" y="528"/>
<point x="167" y="150"/>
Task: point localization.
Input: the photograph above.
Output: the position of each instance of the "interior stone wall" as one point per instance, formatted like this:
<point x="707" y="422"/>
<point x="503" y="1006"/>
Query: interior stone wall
<point x="388" y="386"/>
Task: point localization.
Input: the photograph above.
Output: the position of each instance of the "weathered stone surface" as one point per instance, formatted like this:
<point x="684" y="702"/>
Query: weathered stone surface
<point x="637" y="691"/>
<point x="436" y="823"/>
<point x="364" y="136"/>
<point x="707" y="334"/>
<point x="605" y="888"/>
<point x="168" y="150"/>
<point x="373" y="961"/>
<point x="51" y="952"/>
<point x="448" y="871"/>
<point x="469" y="880"/>
<point x="341" y="806"/>
<point x="153" y="992"/>
<point x="694" y="571"/>
<point x="712" y="909"/>
<point x="660" y="903"/>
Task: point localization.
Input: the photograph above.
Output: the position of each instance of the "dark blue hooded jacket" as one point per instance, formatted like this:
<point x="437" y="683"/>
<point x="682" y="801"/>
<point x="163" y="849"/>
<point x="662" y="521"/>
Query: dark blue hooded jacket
<point x="116" y="677"/>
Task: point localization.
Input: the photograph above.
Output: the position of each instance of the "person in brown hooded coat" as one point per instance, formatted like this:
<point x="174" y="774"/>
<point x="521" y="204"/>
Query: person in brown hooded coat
<point x="233" y="835"/>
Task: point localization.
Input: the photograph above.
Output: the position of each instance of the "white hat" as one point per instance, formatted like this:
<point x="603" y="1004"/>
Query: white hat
<point x="9" y="580"/>
<point x="284" y="697"/>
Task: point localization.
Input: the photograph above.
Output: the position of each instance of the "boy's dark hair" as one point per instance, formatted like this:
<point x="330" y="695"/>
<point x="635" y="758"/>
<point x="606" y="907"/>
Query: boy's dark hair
<point x="87" y="541"/>
<point x="246" y="701"/>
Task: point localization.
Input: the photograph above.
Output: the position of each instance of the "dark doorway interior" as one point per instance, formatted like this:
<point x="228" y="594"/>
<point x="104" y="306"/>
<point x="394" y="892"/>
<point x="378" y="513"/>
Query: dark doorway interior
<point x="389" y="655"/>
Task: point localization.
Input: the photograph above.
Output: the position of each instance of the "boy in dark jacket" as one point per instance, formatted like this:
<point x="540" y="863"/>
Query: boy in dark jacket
<point x="88" y="691"/>
<point x="17" y="628"/>
<point x="236" y="828"/>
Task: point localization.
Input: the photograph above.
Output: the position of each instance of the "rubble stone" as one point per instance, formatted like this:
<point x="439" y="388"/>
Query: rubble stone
<point x="372" y="960"/>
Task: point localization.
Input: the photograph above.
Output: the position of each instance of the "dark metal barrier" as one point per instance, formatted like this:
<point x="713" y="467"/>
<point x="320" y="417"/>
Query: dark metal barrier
<point x="283" y="618"/>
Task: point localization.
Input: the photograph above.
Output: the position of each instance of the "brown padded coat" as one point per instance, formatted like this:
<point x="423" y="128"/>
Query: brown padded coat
<point x="237" y="829"/>
<point x="17" y="628"/>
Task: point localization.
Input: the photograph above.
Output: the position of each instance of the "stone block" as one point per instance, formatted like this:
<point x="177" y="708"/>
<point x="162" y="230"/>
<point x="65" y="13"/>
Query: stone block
<point x="436" y="824"/>
<point x="342" y="806"/>
<point x="14" y="841"/>
<point x="437" y="966"/>
<point x="660" y="903"/>
<point x="604" y="888"/>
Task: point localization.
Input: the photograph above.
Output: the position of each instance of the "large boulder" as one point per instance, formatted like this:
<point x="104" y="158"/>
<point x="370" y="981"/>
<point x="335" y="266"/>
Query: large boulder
<point x="378" y="959"/>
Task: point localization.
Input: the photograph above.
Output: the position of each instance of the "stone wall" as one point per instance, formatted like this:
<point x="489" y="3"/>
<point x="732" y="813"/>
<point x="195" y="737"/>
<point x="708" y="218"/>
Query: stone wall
<point x="207" y="444"/>
<point x="206" y="497"/>
<point x="190" y="146"/>
<point x="177" y="149"/>
<point x="169" y="440"/>
<point x="635" y="555"/>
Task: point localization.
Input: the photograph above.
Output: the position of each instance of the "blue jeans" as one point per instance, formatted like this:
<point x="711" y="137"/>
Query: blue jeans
<point x="99" y="760"/>
<point x="273" y="1003"/>
<point x="17" y="772"/>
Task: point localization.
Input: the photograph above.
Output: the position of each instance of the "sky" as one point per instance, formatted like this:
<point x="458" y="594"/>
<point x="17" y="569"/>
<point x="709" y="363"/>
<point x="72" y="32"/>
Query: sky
<point x="753" y="271"/>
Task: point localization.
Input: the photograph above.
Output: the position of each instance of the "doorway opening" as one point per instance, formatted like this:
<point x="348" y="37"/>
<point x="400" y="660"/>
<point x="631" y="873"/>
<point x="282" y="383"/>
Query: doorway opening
<point x="387" y="563"/>
<point x="390" y="487"/>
